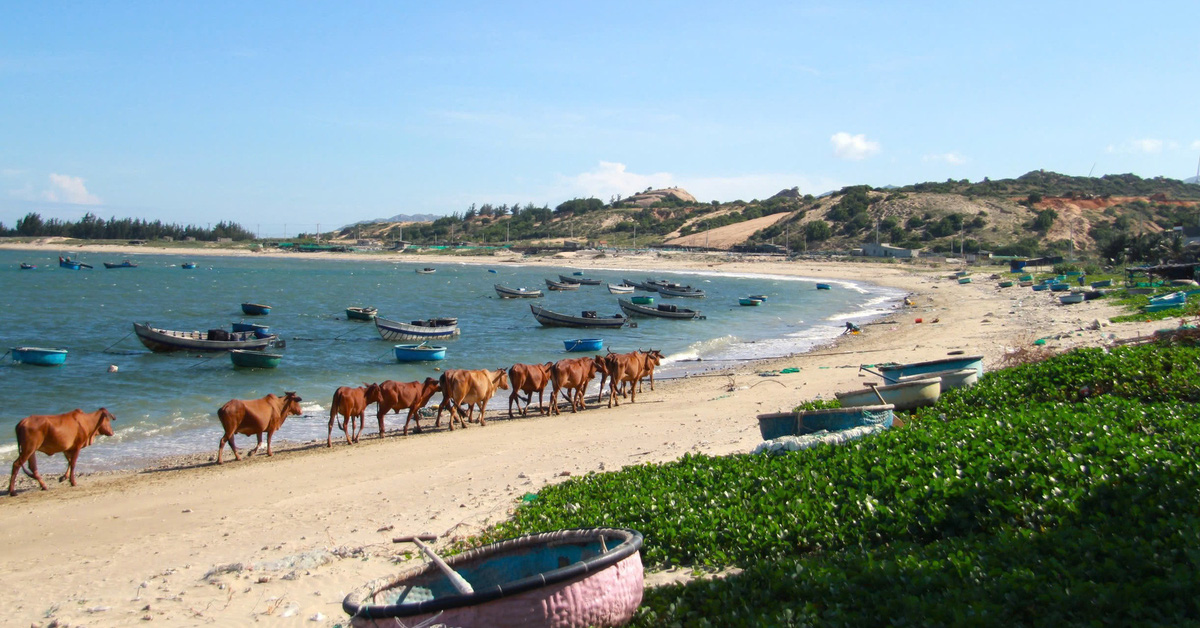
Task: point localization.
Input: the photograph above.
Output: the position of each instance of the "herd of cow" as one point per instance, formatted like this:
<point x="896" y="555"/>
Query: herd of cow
<point x="461" y="389"/>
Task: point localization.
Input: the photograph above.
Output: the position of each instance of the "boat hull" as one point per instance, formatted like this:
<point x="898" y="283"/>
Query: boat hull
<point x="361" y="313"/>
<point x="749" y="302"/>
<point x="166" y="341"/>
<point x="39" y="356"/>
<point x="555" y="319"/>
<point x="254" y="359"/>
<point x="691" y="294"/>
<point x="776" y="425"/>
<point x="616" y="289"/>
<point x="601" y="584"/>
<point x="824" y="286"/>
<point x="516" y="293"/>
<point x="121" y="265"/>
<point x="584" y="344"/>
<point x="395" y="330"/>
<point x="904" y="395"/>
<point x="1074" y="297"/>
<point x="255" y="309"/>
<point x="892" y="372"/>
<point x="957" y="378"/>
<point x="560" y="286"/>
<point x="634" y="309"/>
<point x="419" y="353"/>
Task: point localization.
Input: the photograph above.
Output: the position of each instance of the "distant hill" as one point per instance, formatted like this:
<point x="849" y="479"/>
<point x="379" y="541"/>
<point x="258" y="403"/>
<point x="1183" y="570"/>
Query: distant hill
<point x="400" y="218"/>
<point x="1193" y="180"/>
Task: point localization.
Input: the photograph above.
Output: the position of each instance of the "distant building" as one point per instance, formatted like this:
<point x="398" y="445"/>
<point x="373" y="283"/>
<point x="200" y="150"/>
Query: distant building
<point x="887" y="250"/>
<point x="224" y="239"/>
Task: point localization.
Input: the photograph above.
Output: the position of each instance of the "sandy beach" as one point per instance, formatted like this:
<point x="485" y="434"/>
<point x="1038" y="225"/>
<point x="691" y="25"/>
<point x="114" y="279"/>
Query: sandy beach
<point x="187" y="542"/>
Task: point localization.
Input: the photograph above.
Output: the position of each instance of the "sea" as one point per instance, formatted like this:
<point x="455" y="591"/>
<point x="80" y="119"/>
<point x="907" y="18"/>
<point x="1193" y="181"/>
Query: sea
<point x="166" y="404"/>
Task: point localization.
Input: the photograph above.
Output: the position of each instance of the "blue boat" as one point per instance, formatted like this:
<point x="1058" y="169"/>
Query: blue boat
<point x="188" y="265"/>
<point x="419" y="353"/>
<point x="40" y="356"/>
<point x="70" y="264"/>
<point x="256" y="309"/>
<point x="584" y="344"/>
<point x="261" y="331"/>
<point x="124" y="264"/>
<point x="824" y="286"/>
<point x="749" y="301"/>
<point x="1039" y="287"/>
<point x="891" y="373"/>
<point x="1060" y="287"/>
<point x="778" y="424"/>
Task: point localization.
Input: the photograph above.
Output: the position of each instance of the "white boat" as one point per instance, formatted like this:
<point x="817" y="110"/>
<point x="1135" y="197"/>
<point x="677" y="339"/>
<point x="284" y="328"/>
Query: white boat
<point x="905" y="396"/>
<point x="1074" y="297"/>
<point x="619" y="289"/>
<point x="417" y="330"/>
<point x="957" y="378"/>
<point x="516" y="293"/>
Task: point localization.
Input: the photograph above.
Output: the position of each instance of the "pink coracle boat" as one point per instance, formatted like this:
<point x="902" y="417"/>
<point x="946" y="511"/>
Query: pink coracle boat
<point x="583" y="577"/>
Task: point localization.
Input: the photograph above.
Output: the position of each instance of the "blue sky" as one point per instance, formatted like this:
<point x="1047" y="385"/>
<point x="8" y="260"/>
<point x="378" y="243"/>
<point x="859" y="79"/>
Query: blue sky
<point x="286" y="115"/>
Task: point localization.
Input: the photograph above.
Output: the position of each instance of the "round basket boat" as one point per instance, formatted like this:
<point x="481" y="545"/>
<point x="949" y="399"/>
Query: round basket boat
<point x="419" y="353"/>
<point x="584" y="344"/>
<point x="568" y="578"/>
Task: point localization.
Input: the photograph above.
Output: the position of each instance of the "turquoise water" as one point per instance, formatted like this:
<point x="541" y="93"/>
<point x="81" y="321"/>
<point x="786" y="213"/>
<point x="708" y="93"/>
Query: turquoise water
<point x="166" y="404"/>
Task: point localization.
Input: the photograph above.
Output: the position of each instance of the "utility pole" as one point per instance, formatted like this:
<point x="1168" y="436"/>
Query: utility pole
<point x="787" y="240"/>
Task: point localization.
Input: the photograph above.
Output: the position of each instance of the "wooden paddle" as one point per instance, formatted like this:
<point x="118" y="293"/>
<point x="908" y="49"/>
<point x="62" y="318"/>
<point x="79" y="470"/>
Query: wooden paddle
<point x="872" y="385"/>
<point x="457" y="580"/>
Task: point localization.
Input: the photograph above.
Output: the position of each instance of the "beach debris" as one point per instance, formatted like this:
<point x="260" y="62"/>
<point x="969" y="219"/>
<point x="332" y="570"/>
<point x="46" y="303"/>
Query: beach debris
<point x="227" y="568"/>
<point x="786" y="444"/>
<point x="318" y="617"/>
<point x="112" y="368"/>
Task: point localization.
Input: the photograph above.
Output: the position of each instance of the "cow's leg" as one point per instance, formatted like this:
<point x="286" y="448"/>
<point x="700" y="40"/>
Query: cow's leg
<point x="329" y="436"/>
<point x="541" y="410"/>
<point x="482" y="409"/>
<point x="380" y="416"/>
<point x="22" y="458"/>
<point x="442" y="406"/>
<point x="227" y="438"/>
<point x="513" y="396"/>
<point x="37" y="476"/>
<point x="72" y="456"/>
<point x="351" y="437"/>
<point x="256" y="446"/>
<point x="269" y="435"/>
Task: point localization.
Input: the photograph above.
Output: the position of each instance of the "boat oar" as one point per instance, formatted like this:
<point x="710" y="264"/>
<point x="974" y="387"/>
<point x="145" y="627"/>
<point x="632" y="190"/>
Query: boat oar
<point x="864" y="368"/>
<point x="876" y="391"/>
<point x="458" y="581"/>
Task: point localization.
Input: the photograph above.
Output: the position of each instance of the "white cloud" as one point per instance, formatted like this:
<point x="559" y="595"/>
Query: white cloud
<point x="855" y="147"/>
<point x="67" y="189"/>
<point x="1147" y="145"/>
<point x="952" y="158"/>
<point x="1196" y="145"/>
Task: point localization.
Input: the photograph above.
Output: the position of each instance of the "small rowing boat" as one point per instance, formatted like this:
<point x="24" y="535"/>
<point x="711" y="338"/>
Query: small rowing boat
<point x="559" y="286"/>
<point x="361" y="313"/>
<point x="619" y="289"/>
<point x="904" y="395"/>
<point x="584" y="344"/>
<point x="516" y="293"/>
<point x="428" y="270"/>
<point x="124" y="264"/>
<point x="433" y="328"/>
<point x="777" y="424"/>
<point x="40" y="356"/>
<point x="587" y="319"/>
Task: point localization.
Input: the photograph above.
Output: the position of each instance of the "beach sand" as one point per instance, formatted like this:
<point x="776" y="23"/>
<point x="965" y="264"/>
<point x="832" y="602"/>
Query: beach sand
<point x="187" y="542"/>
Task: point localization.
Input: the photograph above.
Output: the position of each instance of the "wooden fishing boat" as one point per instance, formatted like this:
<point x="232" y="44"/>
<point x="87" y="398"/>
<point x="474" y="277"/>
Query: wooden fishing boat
<point x="516" y="293"/>
<point x="777" y="424"/>
<point x="429" y="329"/>
<point x="892" y="372"/>
<point x="747" y="301"/>
<point x="903" y="395"/>
<point x="1074" y="297"/>
<point x="428" y="270"/>
<point x="824" y="286"/>
<point x="70" y="264"/>
<point x="955" y="378"/>
<point x="579" y="280"/>
<point x="255" y="309"/>
<point x="188" y="265"/>
<point x="40" y="356"/>
<point x="662" y="310"/>
<point x="647" y="285"/>
<point x="584" y="344"/>
<point x="124" y="264"/>
<point x="166" y="340"/>
<point x="619" y="289"/>
<point x="243" y="358"/>
<point x="25" y="266"/>
<point x="685" y="291"/>
<point x="419" y="353"/>
<point x="642" y="300"/>
<point x="565" y="579"/>
<point x="587" y="319"/>
<point x="361" y="313"/>
<point x="560" y="286"/>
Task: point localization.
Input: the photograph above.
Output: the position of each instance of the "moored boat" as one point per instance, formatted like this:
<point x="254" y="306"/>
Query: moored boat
<point x="428" y="270"/>
<point x="903" y="395"/>
<point x="255" y="309"/>
<point x="1006" y="284"/>
<point x="1060" y="286"/>
<point x="124" y="264"/>
<point x="429" y="329"/>
<point x="777" y="424"/>
<point x="516" y="293"/>
<point x="583" y="344"/>
<point x="647" y="285"/>
<point x="361" y="313"/>
<point x="244" y="358"/>
<point x="1103" y="283"/>
<point x="964" y="280"/>
<point x="188" y="265"/>
<point x="561" y="286"/>
<point x="892" y="372"/>
<point x="619" y="289"/>
<point x="261" y="331"/>
<point x="166" y="340"/>
<point x="1039" y="287"/>
<point x="760" y="297"/>
<point x="419" y="353"/>
<point x="685" y="291"/>
<point x="954" y="378"/>
<point x="567" y="578"/>
<point x="662" y="310"/>
<point x="642" y="300"/>
<point x="25" y="266"/>
<point x="749" y="302"/>
<point x="587" y="319"/>
<point x="40" y="356"/>
<point x="824" y="286"/>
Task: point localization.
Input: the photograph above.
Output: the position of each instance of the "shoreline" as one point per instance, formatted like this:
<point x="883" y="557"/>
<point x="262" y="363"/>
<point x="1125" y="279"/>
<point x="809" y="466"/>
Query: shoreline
<point x="288" y="536"/>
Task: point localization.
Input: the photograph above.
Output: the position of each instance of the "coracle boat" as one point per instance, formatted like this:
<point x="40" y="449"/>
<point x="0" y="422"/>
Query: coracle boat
<point x="564" y="579"/>
<point x="361" y="313"/>
<point x="254" y="359"/>
<point x="1104" y="283"/>
<point x="166" y="340"/>
<point x="619" y="289"/>
<point x="255" y="309"/>
<point x="40" y="356"/>
<point x="641" y="300"/>
<point x="1005" y="284"/>
<point x="124" y="264"/>
<point x="749" y="301"/>
<point x="584" y="344"/>
<point x="559" y="285"/>
<point x="516" y="293"/>
<point x="824" y="286"/>
<point x="957" y="378"/>
<point x="891" y="373"/>
<point x="903" y="396"/>
<point x="1074" y="297"/>
<point x="663" y="310"/>
<point x="588" y="319"/>
<point x="262" y="331"/>
<point x="778" y="424"/>
<point x="428" y="329"/>
<point x="419" y="353"/>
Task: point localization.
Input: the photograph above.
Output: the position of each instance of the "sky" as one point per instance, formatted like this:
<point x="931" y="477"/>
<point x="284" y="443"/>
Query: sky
<point x="296" y="116"/>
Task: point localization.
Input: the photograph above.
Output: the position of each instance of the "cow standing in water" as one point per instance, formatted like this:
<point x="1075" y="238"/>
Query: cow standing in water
<point x="66" y="433"/>
<point x="395" y="396"/>
<point x="351" y="403"/>
<point x="252" y="417"/>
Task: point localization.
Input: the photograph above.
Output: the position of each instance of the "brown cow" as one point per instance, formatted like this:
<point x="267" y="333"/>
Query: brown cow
<point x="351" y="403"/>
<point x="623" y="367"/>
<point x="528" y="379"/>
<point x="252" y="417"/>
<point x="395" y="396"/>
<point x="650" y="359"/>
<point x="50" y="434"/>
<point x="471" y="387"/>
<point x="573" y="376"/>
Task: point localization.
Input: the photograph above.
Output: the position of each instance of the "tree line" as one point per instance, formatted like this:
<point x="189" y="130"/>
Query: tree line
<point x="92" y="227"/>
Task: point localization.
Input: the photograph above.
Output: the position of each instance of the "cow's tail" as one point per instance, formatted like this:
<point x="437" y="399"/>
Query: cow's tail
<point x="337" y="395"/>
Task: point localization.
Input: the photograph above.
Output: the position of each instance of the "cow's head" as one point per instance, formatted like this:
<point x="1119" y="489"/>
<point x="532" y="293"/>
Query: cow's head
<point x="655" y="356"/>
<point x="501" y="378"/>
<point x="374" y="393"/>
<point x="104" y="425"/>
<point x="291" y="404"/>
